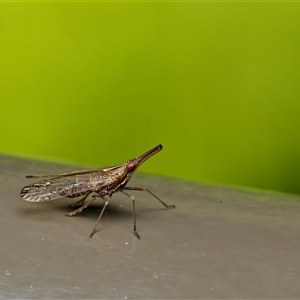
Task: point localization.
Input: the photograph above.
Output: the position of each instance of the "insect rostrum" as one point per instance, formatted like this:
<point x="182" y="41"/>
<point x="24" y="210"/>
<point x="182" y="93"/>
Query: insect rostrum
<point x="99" y="182"/>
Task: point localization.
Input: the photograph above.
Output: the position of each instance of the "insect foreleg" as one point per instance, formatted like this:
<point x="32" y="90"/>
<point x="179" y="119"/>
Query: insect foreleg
<point x="101" y="213"/>
<point x="134" y="213"/>
<point x="146" y="190"/>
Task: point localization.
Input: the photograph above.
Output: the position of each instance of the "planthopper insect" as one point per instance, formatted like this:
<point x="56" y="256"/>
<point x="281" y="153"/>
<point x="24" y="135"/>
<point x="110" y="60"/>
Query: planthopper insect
<point x="102" y="182"/>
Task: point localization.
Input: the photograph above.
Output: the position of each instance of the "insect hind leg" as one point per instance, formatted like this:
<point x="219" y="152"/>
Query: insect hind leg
<point x="79" y="202"/>
<point x="80" y="209"/>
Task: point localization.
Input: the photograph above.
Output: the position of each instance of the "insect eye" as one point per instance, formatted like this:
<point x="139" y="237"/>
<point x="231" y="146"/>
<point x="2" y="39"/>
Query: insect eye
<point x="130" y="167"/>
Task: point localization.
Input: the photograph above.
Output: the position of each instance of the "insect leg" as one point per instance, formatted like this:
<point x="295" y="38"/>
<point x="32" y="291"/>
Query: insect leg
<point x="99" y="218"/>
<point x="146" y="190"/>
<point x="80" y="209"/>
<point x="134" y="213"/>
<point x="80" y="202"/>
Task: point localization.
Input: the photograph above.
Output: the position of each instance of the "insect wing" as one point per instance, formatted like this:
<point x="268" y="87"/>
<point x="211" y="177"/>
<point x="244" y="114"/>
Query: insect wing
<point x="68" y="174"/>
<point x="70" y="185"/>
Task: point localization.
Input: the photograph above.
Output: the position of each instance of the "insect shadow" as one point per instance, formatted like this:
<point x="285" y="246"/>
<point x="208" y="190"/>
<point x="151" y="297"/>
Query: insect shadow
<point x="113" y="211"/>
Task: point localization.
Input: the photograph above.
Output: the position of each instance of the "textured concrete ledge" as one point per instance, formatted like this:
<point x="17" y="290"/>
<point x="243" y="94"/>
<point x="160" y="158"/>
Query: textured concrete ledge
<point x="219" y="242"/>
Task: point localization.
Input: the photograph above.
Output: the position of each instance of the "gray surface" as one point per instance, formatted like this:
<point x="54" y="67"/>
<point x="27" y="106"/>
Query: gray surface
<point x="218" y="243"/>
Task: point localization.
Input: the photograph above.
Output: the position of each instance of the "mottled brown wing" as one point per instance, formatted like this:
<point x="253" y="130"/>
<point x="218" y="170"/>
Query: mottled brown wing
<point x="73" y="185"/>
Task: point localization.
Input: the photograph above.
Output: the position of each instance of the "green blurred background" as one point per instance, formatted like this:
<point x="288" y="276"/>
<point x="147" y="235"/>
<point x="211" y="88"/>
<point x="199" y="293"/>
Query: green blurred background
<point x="98" y="83"/>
